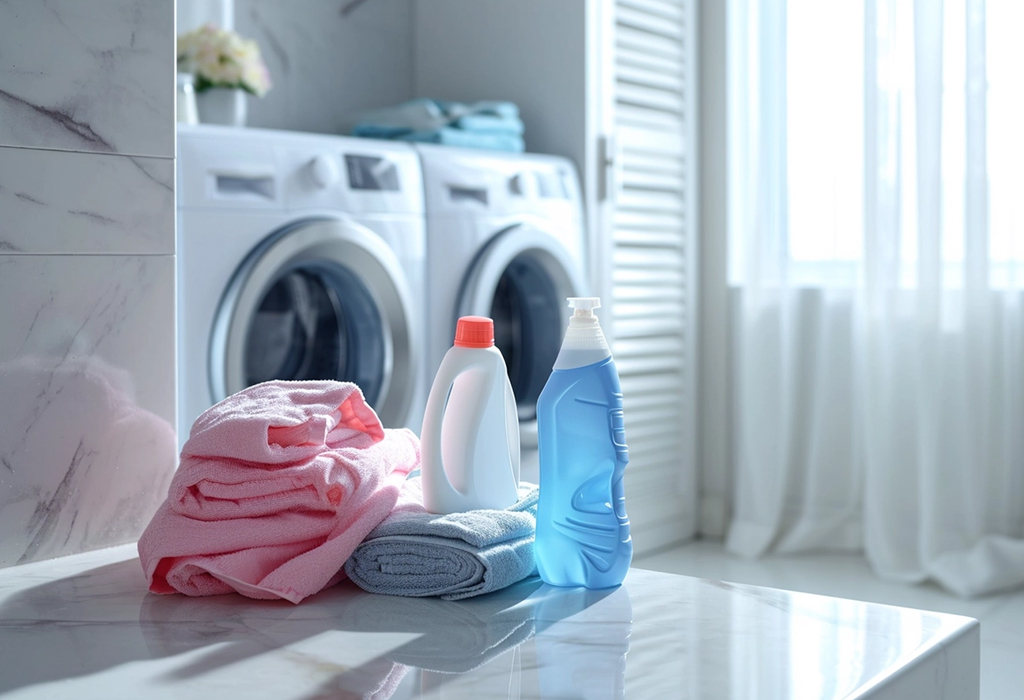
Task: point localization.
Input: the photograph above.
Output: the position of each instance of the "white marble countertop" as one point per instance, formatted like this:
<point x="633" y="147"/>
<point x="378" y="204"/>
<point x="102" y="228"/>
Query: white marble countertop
<point x="84" y="626"/>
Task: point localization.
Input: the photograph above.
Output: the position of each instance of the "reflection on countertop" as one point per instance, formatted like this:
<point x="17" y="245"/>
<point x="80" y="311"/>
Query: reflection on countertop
<point x="85" y="626"/>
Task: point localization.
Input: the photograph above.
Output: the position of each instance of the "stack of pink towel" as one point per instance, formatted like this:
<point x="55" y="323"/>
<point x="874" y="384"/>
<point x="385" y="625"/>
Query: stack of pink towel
<point x="277" y="486"/>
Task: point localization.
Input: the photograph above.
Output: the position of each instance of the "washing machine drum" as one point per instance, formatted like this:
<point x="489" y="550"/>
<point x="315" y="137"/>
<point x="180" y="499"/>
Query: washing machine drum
<point x="318" y="300"/>
<point x="521" y="280"/>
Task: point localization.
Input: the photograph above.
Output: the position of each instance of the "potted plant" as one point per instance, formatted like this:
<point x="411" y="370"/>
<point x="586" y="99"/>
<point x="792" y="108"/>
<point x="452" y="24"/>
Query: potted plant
<point x="225" y="67"/>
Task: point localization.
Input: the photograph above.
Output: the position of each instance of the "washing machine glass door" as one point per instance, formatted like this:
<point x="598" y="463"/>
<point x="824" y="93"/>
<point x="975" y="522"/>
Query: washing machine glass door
<point x="521" y="279"/>
<point x="323" y="299"/>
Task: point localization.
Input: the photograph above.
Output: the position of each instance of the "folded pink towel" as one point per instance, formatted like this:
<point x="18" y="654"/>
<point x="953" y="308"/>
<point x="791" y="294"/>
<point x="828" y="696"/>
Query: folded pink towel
<point x="274" y="508"/>
<point x="284" y="421"/>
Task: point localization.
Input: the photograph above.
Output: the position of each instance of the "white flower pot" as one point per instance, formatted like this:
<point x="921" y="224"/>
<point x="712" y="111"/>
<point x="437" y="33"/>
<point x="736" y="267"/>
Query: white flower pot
<point x="222" y="106"/>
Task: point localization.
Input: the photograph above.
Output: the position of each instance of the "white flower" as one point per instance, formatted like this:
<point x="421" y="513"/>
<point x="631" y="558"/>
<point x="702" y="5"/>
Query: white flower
<point x="220" y="58"/>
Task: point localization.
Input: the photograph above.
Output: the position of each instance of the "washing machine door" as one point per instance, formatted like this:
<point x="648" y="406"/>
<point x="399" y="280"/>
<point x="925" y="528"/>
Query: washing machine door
<point x="521" y="280"/>
<point x="324" y="299"/>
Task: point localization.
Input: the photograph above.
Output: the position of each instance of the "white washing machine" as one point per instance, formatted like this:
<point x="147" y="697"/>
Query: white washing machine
<point x="300" y="256"/>
<point x="505" y="239"/>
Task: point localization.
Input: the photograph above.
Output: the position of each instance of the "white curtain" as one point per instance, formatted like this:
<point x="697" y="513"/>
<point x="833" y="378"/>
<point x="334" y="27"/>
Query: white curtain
<point x="876" y="224"/>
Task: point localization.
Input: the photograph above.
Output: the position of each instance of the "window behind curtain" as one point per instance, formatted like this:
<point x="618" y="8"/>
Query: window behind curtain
<point x="826" y="79"/>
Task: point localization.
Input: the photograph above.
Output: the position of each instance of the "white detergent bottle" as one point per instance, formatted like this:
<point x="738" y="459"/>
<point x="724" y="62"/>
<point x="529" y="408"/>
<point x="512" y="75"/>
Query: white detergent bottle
<point x="470" y="439"/>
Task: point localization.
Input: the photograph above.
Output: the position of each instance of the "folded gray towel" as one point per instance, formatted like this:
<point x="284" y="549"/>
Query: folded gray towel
<point x="460" y="555"/>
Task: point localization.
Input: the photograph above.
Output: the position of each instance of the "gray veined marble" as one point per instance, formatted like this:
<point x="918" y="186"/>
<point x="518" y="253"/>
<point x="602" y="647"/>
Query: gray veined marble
<point x="85" y="627"/>
<point x="88" y="76"/>
<point x="87" y="444"/>
<point x="327" y="67"/>
<point x="61" y="202"/>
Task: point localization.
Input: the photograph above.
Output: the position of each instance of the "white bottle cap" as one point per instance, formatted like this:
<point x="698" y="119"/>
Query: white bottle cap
<point x="585" y="304"/>
<point x="584" y="343"/>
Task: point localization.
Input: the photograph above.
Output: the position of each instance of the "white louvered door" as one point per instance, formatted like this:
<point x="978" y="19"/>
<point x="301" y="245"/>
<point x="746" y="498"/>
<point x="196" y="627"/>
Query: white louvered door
<point x="650" y="231"/>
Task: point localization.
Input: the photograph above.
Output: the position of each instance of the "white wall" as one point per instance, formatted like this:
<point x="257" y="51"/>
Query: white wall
<point x="195" y="13"/>
<point x="715" y="459"/>
<point x="531" y="52"/>
<point x="326" y="66"/>
<point x="542" y="55"/>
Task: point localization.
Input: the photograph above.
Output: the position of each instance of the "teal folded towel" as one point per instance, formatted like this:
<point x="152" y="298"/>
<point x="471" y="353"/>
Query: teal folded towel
<point x="415" y="553"/>
<point x="380" y="131"/>
<point x="469" y="139"/>
<point x="489" y="124"/>
<point x="505" y="110"/>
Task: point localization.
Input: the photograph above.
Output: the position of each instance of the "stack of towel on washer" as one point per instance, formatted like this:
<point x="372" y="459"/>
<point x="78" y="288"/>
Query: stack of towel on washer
<point x="490" y="125"/>
<point x="281" y="483"/>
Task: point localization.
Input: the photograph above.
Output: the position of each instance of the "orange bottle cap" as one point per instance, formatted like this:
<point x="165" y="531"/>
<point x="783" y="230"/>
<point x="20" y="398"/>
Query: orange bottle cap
<point x="474" y="332"/>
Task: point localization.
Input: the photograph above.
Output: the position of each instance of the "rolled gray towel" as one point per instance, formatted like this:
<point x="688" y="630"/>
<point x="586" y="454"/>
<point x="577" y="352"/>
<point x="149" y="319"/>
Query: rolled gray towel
<point x="460" y="555"/>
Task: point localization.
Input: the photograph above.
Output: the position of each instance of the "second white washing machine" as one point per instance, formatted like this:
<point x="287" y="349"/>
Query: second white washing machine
<point x="505" y="239"/>
<point x="300" y="256"/>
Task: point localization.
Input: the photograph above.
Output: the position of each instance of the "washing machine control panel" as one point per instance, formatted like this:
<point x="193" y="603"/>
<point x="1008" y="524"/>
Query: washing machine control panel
<point x="323" y="171"/>
<point x="371" y="173"/>
<point x="355" y="176"/>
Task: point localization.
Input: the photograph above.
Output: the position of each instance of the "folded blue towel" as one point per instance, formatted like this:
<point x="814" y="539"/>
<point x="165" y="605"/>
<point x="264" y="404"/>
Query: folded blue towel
<point x="489" y="124"/>
<point x="469" y="139"/>
<point x="415" y="553"/>
<point x="486" y="123"/>
<point x="380" y="131"/>
<point x="474" y="123"/>
<point x="494" y="108"/>
<point x="414" y="115"/>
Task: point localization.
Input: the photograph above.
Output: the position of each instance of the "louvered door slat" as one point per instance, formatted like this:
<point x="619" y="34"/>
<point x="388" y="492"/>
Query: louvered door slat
<point x="643" y="406"/>
<point x="663" y="465"/>
<point x="630" y="257"/>
<point x="648" y="220"/>
<point x="659" y="64"/>
<point x="644" y="118"/>
<point x="647" y="294"/>
<point x="637" y="39"/>
<point x="651" y="233"/>
<point x="643" y="96"/>
<point x="652" y="278"/>
<point x="650" y="448"/>
<point x="653" y="507"/>
<point x="666" y="9"/>
<point x="640" y="416"/>
<point x="639" y="365"/>
<point x="648" y="238"/>
<point x="628" y="16"/>
<point x="645" y="76"/>
<point x="644" y="328"/>
<point x="626" y="312"/>
<point x="646" y="180"/>
<point x="656" y="346"/>
<point x="645" y="200"/>
<point x="663" y="142"/>
<point x="655" y="159"/>
<point x="648" y="480"/>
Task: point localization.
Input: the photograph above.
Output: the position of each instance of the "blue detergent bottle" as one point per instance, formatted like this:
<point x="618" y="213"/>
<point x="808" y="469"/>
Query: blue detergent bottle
<point x="582" y="528"/>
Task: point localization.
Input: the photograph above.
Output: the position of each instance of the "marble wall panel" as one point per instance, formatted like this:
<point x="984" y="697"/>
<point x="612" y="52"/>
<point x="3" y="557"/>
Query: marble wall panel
<point x="64" y="202"/>
<point x="88" y="76"/>
<point x="328" y="66"/>
<point x="87" y="397"/>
